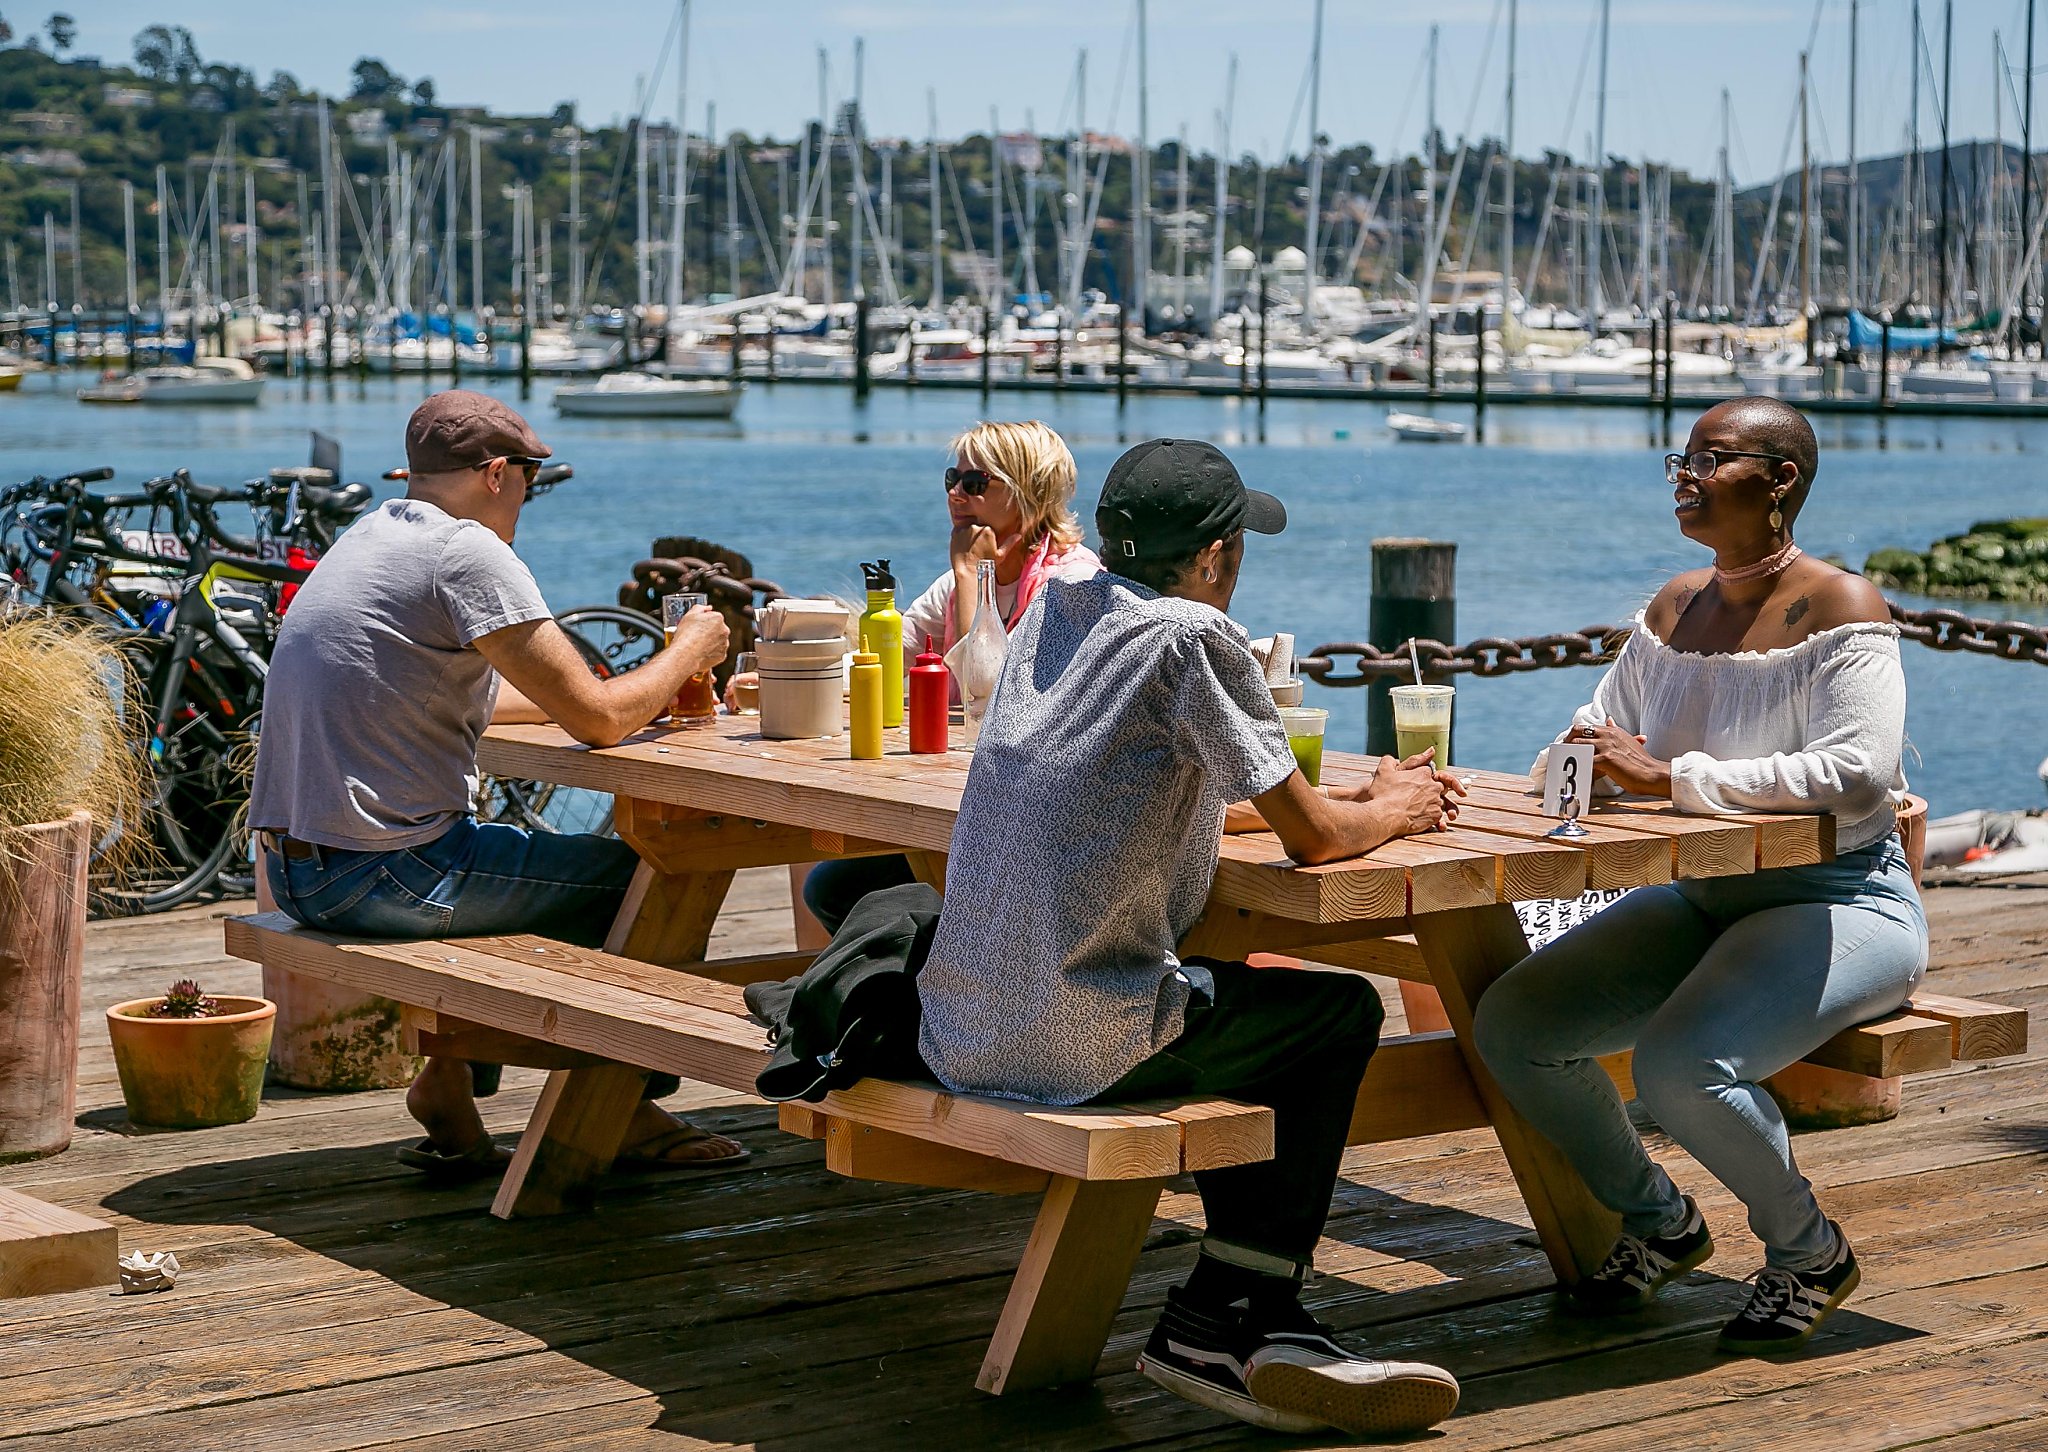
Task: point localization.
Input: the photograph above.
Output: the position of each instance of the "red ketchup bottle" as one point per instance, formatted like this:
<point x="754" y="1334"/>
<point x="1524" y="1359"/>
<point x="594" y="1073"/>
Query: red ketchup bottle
<point x="931" y="690"/>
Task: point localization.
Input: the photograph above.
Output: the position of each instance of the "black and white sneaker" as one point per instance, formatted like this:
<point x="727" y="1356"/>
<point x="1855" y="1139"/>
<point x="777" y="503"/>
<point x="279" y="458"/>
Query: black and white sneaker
<point x="1305" y="1373"/>
<point x="1787" y="1307"/>
<point x="1201" y="1357"/>
<point x="1638" y="1267"/>
<point x="1293" y="1380"/>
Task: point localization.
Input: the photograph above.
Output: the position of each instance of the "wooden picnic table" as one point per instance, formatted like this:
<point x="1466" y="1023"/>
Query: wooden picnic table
<point x="698" y="804"/>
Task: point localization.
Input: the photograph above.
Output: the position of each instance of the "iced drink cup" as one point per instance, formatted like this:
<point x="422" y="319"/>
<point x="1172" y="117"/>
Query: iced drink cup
<point x="1305" y="738"/>
<point x="1422" y="719"/>
<point x="696" y="702"/>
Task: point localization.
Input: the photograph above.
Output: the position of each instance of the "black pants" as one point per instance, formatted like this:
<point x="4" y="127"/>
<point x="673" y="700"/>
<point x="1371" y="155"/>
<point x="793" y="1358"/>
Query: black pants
<point x="1297" y="1041"/>
<point x="833" y="888"/>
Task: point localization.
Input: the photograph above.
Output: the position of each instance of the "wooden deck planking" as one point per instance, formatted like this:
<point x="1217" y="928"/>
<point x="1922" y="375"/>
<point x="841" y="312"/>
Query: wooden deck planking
<point x="332" y="1302"/>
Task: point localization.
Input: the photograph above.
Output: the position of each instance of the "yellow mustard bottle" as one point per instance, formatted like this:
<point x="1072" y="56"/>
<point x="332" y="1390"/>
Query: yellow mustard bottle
<point x="881" y="626"/>
<point x="865" y="726"/>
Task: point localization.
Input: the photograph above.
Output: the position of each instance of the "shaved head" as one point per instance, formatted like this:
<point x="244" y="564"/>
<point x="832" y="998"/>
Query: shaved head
<point x="1772" y="426"/>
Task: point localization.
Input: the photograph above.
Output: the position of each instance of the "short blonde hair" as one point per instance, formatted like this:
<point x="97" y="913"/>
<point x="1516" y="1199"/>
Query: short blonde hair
<point x="1036" y="464"/>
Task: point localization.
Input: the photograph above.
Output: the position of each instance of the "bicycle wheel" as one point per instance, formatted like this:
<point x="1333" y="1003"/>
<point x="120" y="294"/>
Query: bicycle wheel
<point x="198" y="788"/>
<point x="612" y="640"/>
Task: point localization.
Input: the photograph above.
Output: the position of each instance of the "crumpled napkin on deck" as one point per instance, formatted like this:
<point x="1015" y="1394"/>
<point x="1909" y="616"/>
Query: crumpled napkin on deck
<point x="143" y="1272"/>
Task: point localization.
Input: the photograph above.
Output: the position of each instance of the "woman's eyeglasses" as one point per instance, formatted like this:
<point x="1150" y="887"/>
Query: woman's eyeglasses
<point x="971" y="482"/>
<point x="1700" y="467"/>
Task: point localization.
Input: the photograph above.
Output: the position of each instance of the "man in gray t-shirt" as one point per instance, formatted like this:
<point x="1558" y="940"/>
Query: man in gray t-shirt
<point x="417" y="630"/>
<point x="1129" y="719"/>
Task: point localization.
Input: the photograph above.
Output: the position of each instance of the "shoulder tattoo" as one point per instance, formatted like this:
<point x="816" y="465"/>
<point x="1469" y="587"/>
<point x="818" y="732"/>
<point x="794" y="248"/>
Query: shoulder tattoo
<point x="1685" y="598"/>
<point x="1796" y="611"/>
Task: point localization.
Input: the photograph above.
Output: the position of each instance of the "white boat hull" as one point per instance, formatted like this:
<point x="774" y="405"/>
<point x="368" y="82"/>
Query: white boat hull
<point x="233" y="390"/>
<point x="714" y="401"/>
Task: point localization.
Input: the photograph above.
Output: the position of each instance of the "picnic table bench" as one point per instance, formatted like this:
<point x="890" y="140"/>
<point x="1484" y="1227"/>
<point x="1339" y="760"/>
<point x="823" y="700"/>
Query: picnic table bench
<point x="700" y="804"/>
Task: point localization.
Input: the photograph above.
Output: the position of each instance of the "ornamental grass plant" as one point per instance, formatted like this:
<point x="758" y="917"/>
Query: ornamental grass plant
<point x="66" y="741"/>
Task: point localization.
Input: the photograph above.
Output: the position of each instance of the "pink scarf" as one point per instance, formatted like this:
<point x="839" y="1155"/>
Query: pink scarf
<point x="1042" y="565"/>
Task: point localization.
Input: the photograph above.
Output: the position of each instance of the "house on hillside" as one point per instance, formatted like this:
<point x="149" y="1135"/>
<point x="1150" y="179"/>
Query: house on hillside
<point x="52" y="123"/>
<point x="50" y="158"/>
<point x="127" y="98"/>
<point x="368" y="126"/>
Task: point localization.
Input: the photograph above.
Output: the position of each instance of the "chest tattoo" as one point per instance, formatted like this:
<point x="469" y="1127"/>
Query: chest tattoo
<point x="1796" y="611"/>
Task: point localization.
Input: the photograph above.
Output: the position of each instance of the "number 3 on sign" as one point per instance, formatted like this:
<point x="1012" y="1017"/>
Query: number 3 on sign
<point x="1569" y="777"/>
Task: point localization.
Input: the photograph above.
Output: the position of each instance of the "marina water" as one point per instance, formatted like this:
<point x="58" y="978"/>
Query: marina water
<point x="1562" y="517"/>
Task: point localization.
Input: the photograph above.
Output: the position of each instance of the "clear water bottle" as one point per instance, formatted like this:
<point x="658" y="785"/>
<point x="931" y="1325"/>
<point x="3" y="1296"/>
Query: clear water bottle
<point x="977" y="660"/>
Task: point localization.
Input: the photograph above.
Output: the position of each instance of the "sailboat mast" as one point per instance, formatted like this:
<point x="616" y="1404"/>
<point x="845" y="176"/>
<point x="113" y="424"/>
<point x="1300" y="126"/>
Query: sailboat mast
<point x="1855" y="198"/>
<point x="639" y="192"/>
<point x="679" y="174"/>
<point x="857" y="169"/>
<point x="476" y="225"/>
<point x="1724" y="271"/>
<point x="732" y="218"/>
<point x="163" y="255"/>
<point x="1223" y="120"/>
<point x="1805" y="210"/>
<point x="1643" y="280"/>
<point x="1180" y="232"/>
<point x="931" y="101"/>
<point x="1597" y="243"/>
<point x="575" y="222"/>
<point x="128" y="228"/>
<point x="1507" y="195"/>
<point x="1141" y="179"/>
<point x="449" y="223"/>
<point x="1426" y="293"/>
<point x="996" y="286"/>
<point x="1941" y="231"/>
<point x="2027" y="169"/>
<point x="1315" y="170"/>
<point x="827" y="129"/>
<point x="249" y="231"/>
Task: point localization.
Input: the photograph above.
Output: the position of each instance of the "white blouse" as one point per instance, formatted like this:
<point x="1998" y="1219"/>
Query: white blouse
<point x="1815" y="727"/>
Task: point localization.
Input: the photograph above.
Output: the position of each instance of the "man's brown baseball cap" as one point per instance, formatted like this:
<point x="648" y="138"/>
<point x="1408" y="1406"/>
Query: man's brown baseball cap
<point x="459" y="429"/>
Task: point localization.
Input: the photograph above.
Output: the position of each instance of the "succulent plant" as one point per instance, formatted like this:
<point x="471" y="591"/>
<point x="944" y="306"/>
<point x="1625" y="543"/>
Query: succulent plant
<point x="186" y="999"/>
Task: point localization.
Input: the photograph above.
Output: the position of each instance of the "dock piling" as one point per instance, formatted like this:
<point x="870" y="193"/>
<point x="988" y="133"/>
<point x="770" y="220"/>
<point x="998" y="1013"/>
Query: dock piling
<point x="1414" y="597"/>
<point x="860" y="351"/>
<point x="1479" y="373"/>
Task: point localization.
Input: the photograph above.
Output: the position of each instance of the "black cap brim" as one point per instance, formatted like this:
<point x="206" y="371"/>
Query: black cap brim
<point x="1263" y="514"/>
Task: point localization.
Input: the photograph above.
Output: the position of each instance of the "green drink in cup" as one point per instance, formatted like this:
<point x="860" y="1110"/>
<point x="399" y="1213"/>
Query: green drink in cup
<point x="1305" y="738"/>
<point x="1422" y="719"/>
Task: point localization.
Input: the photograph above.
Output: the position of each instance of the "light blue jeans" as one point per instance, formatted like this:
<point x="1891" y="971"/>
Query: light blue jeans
<point x="1716" y="984"/>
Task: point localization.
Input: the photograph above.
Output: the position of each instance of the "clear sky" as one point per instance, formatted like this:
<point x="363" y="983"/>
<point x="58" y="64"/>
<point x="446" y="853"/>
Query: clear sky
<point x="757" y="60"/>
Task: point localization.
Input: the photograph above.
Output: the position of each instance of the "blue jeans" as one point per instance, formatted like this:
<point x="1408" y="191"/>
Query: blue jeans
<point x="1716" y="984"/>
<point x="477" y="879"/>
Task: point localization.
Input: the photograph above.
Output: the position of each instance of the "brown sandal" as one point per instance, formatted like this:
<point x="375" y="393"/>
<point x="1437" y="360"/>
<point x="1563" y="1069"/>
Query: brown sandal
<point x="653" y="1155"/>
<point x="482" y="1159"/>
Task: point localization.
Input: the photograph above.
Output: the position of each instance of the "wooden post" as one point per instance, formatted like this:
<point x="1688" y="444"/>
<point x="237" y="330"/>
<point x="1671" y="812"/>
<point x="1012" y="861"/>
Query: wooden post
<point x="910" y="351"/>
<point x="1262" y="346"/>
<point x="133" y="318"/>
<point x="1884" y="362"/>
<point x="327" y="317"/>
<point x="1653" y="361"/>
<point x="1059" y="356"/>
<point x="1479" y="372"/>
<point x="860" y="352"/>
<point x="1670" y="334"/>
<point x="1244" y="352"/>
<point x="1123" y="353"/>
<point x="738" y="340"/>
<point x="988" y="316"/>
<point x="1432" y="355"/>
<point x="526" y="353"/>
<point x="1414" y="596"/>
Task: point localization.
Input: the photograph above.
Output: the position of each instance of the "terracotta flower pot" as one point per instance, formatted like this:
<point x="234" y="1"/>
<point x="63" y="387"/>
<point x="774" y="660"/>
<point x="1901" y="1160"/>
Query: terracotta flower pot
<point x="42" y="958"/>
<point x="188" y="1073"/>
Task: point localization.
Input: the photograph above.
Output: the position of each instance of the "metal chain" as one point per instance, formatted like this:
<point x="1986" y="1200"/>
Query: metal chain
<point x="1600" y="644"/>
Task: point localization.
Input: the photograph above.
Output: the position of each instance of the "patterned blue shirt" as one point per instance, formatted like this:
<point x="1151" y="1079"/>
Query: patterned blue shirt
<point x="1123" y="724"/>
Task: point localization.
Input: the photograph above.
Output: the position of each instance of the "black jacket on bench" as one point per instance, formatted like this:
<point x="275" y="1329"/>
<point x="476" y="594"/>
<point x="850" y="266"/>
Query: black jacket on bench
<point x="853" y="1013"/>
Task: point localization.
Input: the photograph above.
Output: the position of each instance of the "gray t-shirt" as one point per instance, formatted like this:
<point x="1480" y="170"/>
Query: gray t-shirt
<point x="377" y="695"/>
<point x="1123" y="724"/>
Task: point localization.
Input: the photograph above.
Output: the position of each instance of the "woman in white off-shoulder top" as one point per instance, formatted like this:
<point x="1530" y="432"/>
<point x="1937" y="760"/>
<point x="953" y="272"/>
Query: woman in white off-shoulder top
<point x="1768" y="682"/>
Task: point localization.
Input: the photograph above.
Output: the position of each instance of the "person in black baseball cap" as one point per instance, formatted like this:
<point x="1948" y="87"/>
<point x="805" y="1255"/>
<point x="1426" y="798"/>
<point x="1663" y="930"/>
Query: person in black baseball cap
<point x="1175" y="510"/>
<point x="1130" y="727"/>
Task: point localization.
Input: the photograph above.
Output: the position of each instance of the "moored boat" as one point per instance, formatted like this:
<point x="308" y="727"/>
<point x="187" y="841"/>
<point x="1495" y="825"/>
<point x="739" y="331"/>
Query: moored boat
<point x="1422" y="429"/>
<point x="645" y="395"/>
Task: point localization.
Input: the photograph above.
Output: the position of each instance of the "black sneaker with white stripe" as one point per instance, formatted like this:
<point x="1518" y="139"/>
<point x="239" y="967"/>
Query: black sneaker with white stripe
<point x="1639" y="1266"/>
<point x="1201" y="1356"/>
<point x="1787" y="1307"/>
<point x="1296" y="1379"/>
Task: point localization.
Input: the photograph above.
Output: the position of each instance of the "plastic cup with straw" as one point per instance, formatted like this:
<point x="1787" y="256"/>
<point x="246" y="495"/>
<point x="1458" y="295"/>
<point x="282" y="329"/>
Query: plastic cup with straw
<point x="1422" y="715"/>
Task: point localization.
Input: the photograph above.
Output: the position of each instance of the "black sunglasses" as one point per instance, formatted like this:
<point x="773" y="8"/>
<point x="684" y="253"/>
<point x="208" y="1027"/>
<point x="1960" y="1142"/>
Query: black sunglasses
<point x="971" y="482"/>
<point x="1701" y="466"/>
<point x="527" y="462"/>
